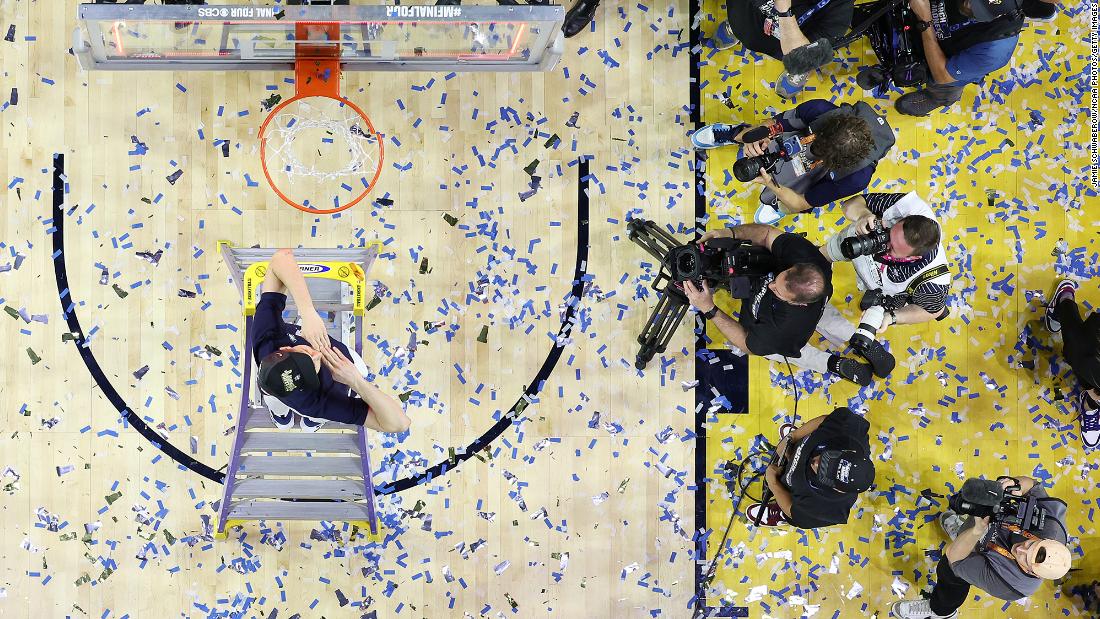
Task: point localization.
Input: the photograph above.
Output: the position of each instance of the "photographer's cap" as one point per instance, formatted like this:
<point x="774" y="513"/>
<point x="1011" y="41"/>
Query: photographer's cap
<point x="988" y="10"/>
<point x="845" y="470"/>
<point x="283" y="373"/>
<point x="1049" y="559"/>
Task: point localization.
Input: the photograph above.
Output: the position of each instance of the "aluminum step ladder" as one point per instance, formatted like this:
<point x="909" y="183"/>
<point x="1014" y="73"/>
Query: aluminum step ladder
<point x="292" y="474"/>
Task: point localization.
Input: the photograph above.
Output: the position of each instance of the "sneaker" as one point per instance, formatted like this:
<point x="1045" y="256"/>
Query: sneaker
<point x="715" y="135"/>
<point x="723" y="37"/>
<point x="850" y="369"/>
<point x="951" y="523"/>
<point x="1066" y="289"/>
<point x="870" y="78"/>
<point x="1037" y="10"/>
<point x="788" y="86"/>
<point x="284" y="421"/>
<point x="772" y="516"/>
<point x="311" y="424"/>
<point x="768" y="215"/>
<point x="882" y="362"/>
<point x="1090" y="420"/>
<point x="917" y="103"/>
<point x="917" y="609"/>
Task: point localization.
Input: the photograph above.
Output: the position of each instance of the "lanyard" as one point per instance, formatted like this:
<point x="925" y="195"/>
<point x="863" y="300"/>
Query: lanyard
<point x="1004" y="552"/>
<point x="813" y="9"/>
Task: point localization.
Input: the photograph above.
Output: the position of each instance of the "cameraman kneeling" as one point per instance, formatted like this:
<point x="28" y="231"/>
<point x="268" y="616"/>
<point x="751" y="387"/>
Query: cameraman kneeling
<point x="786" y="306"/>
<point x="805" y="157"/>
<point x="1004" y="560"/>
<point x="894" y="244"/>
<point x="824" y="466"/>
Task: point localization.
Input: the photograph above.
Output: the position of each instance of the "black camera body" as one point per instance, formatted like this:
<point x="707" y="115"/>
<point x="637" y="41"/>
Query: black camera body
<point x="985" y="498"/>
<point x="748" y="168"/>
<point x="875" y="242"/>
<point x="733" y="264"/>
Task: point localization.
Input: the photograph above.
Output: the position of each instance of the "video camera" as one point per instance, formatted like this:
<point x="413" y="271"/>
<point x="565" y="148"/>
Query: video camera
<point x="733" y="264"/>
<point x="983" y="498"/>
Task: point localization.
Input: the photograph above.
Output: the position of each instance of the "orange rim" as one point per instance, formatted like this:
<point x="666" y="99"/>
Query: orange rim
<point x="302" y="207"/>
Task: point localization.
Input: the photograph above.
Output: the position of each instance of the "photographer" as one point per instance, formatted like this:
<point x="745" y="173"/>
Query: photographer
<point x="822" y="467"/>
<point x="775" y="27"/>
<point x="962" y="42"/>
<point x="805" y="157"/>
<point x="1004" y="560"/>
<point x="786" y="306"/>
<point x="900" y="264"/>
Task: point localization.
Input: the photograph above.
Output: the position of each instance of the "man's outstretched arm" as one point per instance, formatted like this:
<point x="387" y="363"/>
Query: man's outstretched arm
<point x="283" y="275"/>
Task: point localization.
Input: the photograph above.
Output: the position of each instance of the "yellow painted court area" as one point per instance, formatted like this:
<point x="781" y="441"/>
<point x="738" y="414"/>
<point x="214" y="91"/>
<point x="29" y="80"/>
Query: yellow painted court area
<point x="982" y="393"/>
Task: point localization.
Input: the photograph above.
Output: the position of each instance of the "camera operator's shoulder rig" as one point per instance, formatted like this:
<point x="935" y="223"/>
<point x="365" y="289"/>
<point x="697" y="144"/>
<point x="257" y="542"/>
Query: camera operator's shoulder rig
<point x="881" y="132"/>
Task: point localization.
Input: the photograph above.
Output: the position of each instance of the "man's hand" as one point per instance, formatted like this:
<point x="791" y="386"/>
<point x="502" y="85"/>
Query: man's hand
<point x="721" y="233"/>
<point x="701" y="299"/>
<point x="343" y="370"/>
<point x="782" y="5"/>
<point x="773" y="472"/>
<point x="753" y="149"/>
<point x="866" y="224"/>
<point x="981" y="526"/>
<point x="765" y="179"/>
<point x="921" y="9"/>
<point x="313" y="330"/>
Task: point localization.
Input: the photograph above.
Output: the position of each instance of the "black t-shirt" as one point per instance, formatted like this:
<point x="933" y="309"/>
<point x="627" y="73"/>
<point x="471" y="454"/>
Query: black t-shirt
<point x="775" y="327"/>
<point x="333" y="401"/>
<point x="747" y="21"/>
<point x="811" y="506"/>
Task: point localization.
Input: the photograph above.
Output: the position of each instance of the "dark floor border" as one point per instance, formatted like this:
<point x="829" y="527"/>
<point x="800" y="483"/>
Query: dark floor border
<point x="68" y="309"/>
<point x="695" y="100"/>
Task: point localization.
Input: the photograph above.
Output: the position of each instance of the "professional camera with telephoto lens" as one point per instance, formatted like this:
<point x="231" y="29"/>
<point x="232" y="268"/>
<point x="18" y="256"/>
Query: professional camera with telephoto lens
<point x="984" y="498"/>
<point x="733" y="264"/>
<point x="875" y="242"/>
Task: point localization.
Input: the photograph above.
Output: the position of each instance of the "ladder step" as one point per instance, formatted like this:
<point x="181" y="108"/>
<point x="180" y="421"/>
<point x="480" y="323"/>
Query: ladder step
<point x="260" y="419"/>
<point x="289" y="510"/>
<point x="292" y="465"/>
<point x="318" y="442"/>
<point x="298" y="489"/>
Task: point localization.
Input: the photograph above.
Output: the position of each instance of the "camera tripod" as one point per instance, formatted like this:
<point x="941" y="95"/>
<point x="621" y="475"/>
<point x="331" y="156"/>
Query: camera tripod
<point x="672" y="303"/>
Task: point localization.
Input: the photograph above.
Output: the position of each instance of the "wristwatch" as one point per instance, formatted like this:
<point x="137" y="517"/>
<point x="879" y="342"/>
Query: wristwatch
<point x="893" y="317"/>
<point x="710" y="314"/>
<point x="921" y="26"/>
<point x="788" y="13"/>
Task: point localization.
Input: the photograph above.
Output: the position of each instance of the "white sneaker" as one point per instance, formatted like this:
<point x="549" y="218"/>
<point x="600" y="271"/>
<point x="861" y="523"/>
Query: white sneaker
<point x="767" y="215"/>
<point x="311" y="424"/>
<point x="917" y="609"/>
<point x="951" y="523"/>
<point x="284" y="421"/>
<point x="715" y="135"/>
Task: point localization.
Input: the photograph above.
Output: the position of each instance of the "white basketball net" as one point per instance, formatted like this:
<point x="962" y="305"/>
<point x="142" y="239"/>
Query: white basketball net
<point x="321" y="138"/>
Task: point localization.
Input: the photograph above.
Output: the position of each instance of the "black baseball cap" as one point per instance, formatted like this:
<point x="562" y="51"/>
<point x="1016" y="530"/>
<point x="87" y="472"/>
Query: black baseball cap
<point x="845" y="469"/>
<point x="284" y="372"/>
<point x="988" y="10"/>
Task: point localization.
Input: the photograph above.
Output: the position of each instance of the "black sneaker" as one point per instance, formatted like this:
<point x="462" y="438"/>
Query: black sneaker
<point x="870" y="78"/>
<point x="850" y="369"/>
<point x="882" y="362"/>
<point x="1037" y="10"/>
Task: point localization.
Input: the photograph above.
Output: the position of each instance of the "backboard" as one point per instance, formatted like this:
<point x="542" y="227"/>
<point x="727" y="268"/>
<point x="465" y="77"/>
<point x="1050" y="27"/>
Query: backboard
<point x="367" y="38"/>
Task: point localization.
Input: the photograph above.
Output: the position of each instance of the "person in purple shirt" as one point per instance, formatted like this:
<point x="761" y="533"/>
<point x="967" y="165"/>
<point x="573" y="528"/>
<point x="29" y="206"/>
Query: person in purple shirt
<point x="303" y="370"/>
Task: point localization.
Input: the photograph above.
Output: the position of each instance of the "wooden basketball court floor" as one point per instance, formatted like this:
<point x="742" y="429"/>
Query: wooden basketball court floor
<point x="586" y="507"/>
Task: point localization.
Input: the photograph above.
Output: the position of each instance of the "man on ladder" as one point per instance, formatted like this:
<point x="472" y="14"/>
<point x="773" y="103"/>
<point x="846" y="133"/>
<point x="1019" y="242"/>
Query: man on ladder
<point x="304" y="370"/>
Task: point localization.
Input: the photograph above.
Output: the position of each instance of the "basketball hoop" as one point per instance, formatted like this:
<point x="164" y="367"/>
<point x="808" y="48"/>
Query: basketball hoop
<point x="319" y="151"/>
